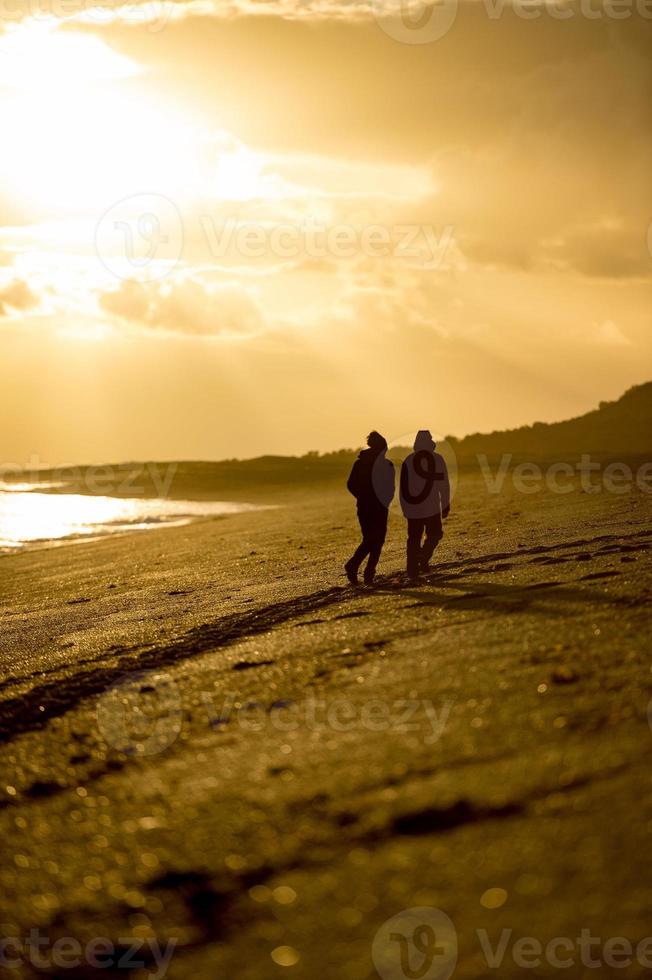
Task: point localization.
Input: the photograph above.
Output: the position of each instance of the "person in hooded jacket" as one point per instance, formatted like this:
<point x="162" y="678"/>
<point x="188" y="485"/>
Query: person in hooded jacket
<point x="372" y="484"/>
<point x="425" y="502"/>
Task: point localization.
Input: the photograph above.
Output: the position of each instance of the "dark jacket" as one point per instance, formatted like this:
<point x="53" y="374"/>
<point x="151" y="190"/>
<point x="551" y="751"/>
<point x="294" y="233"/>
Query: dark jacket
<point x="425" y="488"/>
<point x="372" y="480"/>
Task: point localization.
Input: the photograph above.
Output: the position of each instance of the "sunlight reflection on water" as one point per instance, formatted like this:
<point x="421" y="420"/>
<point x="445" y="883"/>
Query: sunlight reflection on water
<point x="28" y="517"/>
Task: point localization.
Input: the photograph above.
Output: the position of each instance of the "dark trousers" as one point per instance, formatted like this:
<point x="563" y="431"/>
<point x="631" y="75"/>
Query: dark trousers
<point x="420" y="552"/>
<point x="373" y="523"/>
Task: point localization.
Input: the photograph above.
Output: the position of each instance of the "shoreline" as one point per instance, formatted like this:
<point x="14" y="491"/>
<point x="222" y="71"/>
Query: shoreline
<point x="172" y="513"/>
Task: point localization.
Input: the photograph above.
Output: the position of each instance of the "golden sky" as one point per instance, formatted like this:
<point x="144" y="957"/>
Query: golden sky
<point x="267" y="226"/>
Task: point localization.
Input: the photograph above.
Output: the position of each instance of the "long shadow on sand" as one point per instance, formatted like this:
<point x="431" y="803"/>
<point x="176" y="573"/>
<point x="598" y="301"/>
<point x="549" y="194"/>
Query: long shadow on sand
<point x="34" y="709"/>
<point x="546" y="598"/>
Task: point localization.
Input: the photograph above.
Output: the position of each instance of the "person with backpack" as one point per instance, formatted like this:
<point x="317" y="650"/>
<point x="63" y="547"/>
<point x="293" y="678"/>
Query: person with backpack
<point x="425" y="502"/>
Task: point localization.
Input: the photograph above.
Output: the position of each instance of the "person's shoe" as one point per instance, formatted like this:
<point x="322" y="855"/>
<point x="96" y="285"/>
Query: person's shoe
<point x="369" y="579"/>
<point x="414" y="580"/>
<point x="351" y="573"/>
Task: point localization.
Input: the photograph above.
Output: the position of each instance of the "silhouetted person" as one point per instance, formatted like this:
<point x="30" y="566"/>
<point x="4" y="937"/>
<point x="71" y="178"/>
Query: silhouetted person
<point x="425" y="501"/>
<point x="372" y="484"/>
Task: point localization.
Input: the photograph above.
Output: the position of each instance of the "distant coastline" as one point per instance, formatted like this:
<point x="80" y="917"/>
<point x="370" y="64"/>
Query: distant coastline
<point x="615" y="432"/>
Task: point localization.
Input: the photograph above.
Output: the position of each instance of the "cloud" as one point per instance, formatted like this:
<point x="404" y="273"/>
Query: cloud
<point x="185" y="306"/>
<point x="17" y="297"/>
<point x="161" y="12"/>
<point x="609" y="249"/>
<point x="533" y="170"/>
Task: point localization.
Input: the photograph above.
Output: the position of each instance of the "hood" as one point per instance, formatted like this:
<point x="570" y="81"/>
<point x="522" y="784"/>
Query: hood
<point x="424" y="441"/>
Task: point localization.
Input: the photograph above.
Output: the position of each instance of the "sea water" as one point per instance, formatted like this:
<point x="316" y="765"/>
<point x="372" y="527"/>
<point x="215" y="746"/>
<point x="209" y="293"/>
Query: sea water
<point x="30" y="517"/>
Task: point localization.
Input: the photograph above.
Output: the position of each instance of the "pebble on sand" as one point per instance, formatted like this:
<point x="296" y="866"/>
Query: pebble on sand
<point x="285" y="956"/>
<point x="493" y="898"/>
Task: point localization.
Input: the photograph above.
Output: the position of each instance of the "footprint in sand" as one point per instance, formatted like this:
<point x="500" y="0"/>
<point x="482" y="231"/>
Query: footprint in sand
<point x="40" y="790"/>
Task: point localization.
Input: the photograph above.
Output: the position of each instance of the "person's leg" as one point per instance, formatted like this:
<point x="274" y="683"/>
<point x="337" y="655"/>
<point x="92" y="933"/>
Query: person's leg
<point x="360" y="553"/>
<point x="415" y="530"/>
<point x="353" y="564"/>
<point x="378" y="532"/>
<point x="434" y="534"/>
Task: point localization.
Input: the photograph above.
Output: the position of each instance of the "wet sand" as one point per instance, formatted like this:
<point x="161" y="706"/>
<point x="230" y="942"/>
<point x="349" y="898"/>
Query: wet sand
<point x="312" y="759"/>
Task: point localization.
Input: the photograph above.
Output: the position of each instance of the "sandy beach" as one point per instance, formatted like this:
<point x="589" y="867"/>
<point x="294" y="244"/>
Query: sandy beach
<point x="210" y="739"/>
<point x="293" y="292"/>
